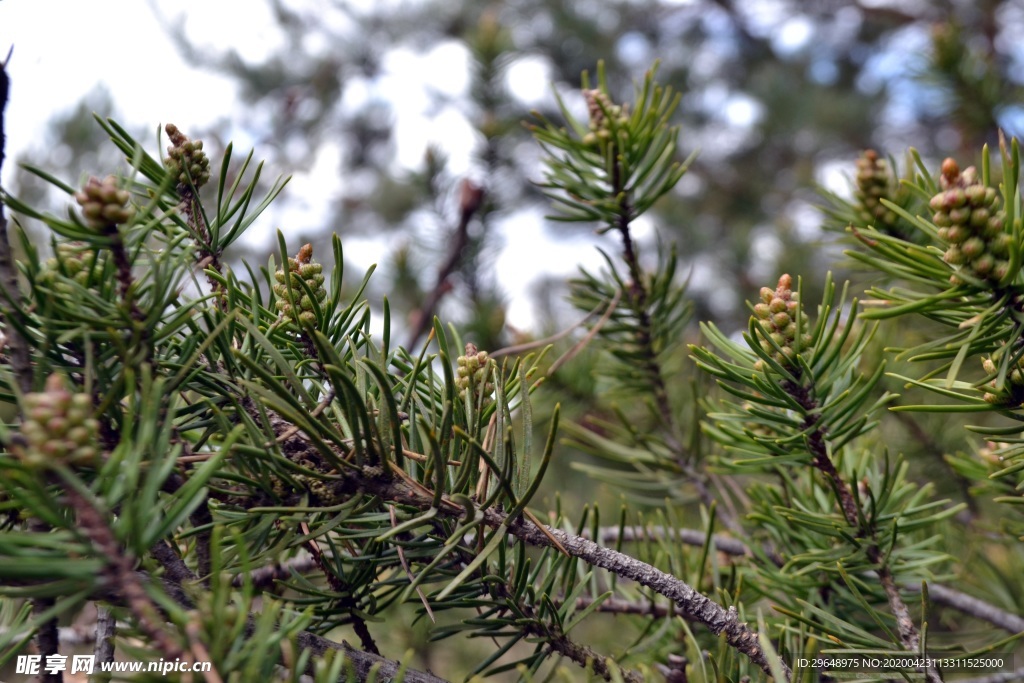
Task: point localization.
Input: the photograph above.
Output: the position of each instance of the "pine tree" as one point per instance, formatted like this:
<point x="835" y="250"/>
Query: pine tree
<point x="233" y="468"/>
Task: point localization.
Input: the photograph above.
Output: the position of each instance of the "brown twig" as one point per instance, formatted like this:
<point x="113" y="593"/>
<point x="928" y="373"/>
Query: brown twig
<point x="972" y="606"/>
<point x="106" y="629"/>
<point x="346" y="600"/>
<point x="401" y="489"/>
<point x="470" y="201"/>
<point x="937" y="593"/>
<point x="120" y="571"/>
<point x="408" y="572"/>
<point x="264" y="577"/>
<point x="815" y="440"/>
<point x="638" y="299"/>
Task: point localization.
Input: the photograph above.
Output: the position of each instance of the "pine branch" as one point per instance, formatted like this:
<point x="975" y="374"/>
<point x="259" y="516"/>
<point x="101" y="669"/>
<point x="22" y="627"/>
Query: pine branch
<point x="695" y="537"/>
<point x="106" y="629"/>
<point x="48" y="636"/>
<point x="178" y="574"/>
<point x="975" y="607"/>
<point x="615" y="605"/>
<point x="347" y="600"/>
<point x="402" y="490"/>
<point x="937" y="593"/>
<point x="121" y="573"/>
<point x="583" y="655"/>
<point x="815" y="439"/>
<point x="691" y="603"/>
<point x="264" y="577"/>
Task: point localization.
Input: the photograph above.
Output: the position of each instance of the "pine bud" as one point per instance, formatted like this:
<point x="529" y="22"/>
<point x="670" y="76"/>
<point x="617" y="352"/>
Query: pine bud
<point x="298" y="305"/>
<point x="103" y="203"/>
<point x="971" y="223"/>
<point x="777" y="317"/>
<point x="186" y="159"/>
<point x="58" y="426"/>
<point x="473" y="372"/>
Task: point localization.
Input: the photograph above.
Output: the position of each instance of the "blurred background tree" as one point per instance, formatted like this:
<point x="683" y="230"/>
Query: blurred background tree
<point x="778" y="96"/>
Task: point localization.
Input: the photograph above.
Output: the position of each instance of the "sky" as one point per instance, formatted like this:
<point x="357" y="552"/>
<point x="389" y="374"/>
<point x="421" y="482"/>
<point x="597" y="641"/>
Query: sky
<point x="63" y="49"/>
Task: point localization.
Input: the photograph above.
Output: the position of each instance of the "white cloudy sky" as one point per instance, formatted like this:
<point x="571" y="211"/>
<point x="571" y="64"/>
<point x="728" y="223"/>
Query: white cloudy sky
<point x="64" y="48"/>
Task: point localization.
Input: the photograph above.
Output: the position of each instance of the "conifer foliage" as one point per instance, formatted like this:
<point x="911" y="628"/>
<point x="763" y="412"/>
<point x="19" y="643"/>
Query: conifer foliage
<point x="232" y="468"/>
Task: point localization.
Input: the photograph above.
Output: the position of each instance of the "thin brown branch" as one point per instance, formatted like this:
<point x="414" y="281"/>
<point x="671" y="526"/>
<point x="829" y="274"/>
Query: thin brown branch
<point x="470" y="201"/>
<point x="345" y="599"/>
<point x="582" y="343"/>
<point x="47" y="640"/>
<point x="583" y="655"/>
<point x="638" y="299"/>
<point x="972" y="606"/>
<point x="695" y="537"/>
<point x="264" y="577"/>
<point x="615" y="605"/>
<point x="48" y="636"/>
<point x="539" y="343"/>
<point x="106" y="629"/>
<point x="816" y="443"/>
<point x="120" y="571"/>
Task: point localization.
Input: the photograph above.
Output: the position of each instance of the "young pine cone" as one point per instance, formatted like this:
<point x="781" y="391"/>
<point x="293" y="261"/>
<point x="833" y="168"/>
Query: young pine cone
<point x="874" y="183"/>
<point x="972" y="224"/>
<point x="103" y="203"/>
<point x="472" y="370"/>
<point x="777" y="314"/>
<point x="58" y="426"/>
<point x="1011" y="394"/>
<point x="598" y="104"/>
<point x="299" y="306"/>
<point x="186" y="159"/>
<point x="76" y="261"/>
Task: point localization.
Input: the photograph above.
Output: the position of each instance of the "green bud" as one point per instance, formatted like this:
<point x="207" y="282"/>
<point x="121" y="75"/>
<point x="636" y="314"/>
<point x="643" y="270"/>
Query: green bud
<point x="973" y="247"/>
<point x="960" y="216"/>
<point x="954" y="256"/>
<point x="983" y="264"/>
<point x="979" y="217"/>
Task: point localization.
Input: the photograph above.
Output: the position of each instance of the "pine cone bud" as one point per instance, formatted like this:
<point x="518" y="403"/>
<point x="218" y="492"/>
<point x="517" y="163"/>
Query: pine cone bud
<point x="602" y="111"/>
<point x="971" y="223"/>
<point x="777" y="317"/>
<point x="58" y="426"/>
<point x="299" y="306"/>
<point x="875" y="182"/>
<point x="1011" y="393"/>
<point x="472" y="371"/>
<point x="186" y="159"/>
<point x="75" y="260"/>
<point x="103" y="203"/>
